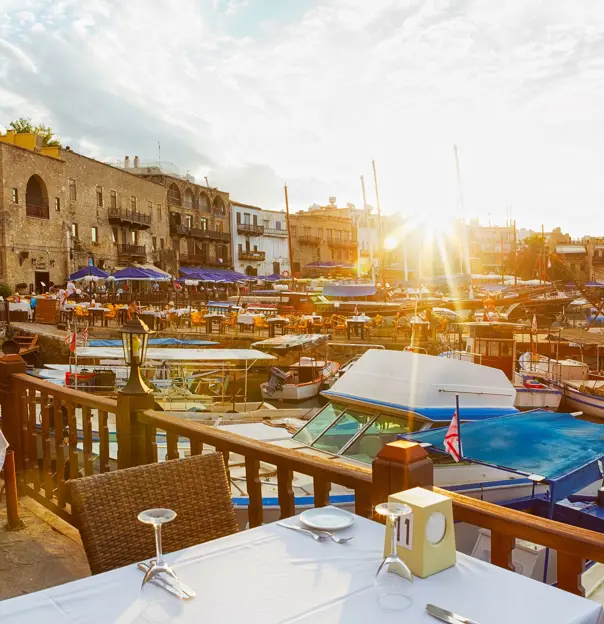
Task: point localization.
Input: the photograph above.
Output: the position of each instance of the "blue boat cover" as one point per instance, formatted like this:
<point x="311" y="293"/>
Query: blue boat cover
<point x="546" y="443"/>
<point x="157" y="342"/>
<point x="349" y="290"/>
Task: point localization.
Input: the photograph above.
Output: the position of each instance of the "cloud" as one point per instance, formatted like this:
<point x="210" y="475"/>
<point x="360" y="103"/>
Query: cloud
<point x="253" y="95"/>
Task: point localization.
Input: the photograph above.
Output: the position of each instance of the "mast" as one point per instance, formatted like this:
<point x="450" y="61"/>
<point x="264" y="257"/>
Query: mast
<point x="380" y="233"/>
<point x="463" y="220"/>
<point x="289" y="237"/>
<point x="502" y="269"/>
<point x="515" y="257"/>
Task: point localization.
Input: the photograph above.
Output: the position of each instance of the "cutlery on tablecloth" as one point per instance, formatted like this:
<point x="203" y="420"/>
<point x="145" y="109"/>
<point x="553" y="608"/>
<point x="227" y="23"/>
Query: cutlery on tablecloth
<point x="318" y="536"/>
<point x="448" y="616"/>
<point x="183" y="591"/>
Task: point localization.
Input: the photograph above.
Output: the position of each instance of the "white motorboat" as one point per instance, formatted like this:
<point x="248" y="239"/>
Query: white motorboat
<point x="303" y="380"/>
<point x="558" y="371"/>
<point x="585" y="396"/>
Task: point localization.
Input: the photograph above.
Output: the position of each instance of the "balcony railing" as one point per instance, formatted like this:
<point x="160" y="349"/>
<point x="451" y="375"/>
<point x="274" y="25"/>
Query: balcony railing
<point x="37" y="211"/>
<point x="132" y="217"/>
<point x="176" y="229"/>
<point x="250" y="228"/>
<point x="133" y="251"/>
<point x="274" y="232"/>
<point x="195" y="259"/>
<point x="252" y="255"/>
<point x="342" y="243"/>
<point x="309" y="239"/>
<point x="214" y="235"/>
<point x="35" y="409"/>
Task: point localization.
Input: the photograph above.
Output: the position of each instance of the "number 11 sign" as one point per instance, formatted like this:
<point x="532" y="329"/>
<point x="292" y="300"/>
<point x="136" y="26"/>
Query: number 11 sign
<point x="426" y="539"/>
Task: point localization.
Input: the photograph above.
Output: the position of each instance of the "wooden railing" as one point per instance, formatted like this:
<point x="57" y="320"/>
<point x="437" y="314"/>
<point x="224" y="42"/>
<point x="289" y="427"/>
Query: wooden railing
<point x="58" y="428"/>
<point x="52" y="431"/>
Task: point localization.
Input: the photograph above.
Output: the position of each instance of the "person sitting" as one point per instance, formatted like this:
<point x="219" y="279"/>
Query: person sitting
<point x="132" y="310"/>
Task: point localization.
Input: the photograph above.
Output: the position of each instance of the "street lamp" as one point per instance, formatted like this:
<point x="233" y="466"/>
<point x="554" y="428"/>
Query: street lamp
<point x="135" y="337"/>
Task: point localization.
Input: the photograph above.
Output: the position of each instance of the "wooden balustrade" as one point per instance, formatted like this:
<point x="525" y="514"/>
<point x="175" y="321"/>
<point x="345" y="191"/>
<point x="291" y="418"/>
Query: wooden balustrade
<point x="34" y="411"/>
<point x="58" y="427"/>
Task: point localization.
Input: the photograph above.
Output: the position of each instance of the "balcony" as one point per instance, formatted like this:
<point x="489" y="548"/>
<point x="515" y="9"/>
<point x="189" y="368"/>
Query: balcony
<point x="133" y="218"/>
<point x="37" y="211"/>
<point x="210" y="235"/>
<point x="274" y="232"/>
<point x="176" y="229"/>
<point x="309" y="239"/>
<point x="342" y="243"/>
<point x="128" y="250"/>
<point x="251" y="229"/>
<point x="193" y="259"/>
<point x="252" y="255"/>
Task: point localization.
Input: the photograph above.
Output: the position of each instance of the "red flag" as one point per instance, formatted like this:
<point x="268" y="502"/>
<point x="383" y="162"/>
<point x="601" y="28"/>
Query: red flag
<point x="72" y="346"/>
<point x="176" y="285"/>
<point x="68" y="337"/>
<point x="452" y="440"/>
<point x="85" y="336"/>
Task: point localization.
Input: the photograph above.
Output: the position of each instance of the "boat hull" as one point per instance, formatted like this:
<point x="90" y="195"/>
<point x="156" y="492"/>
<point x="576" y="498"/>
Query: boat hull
<point x="537" y="398"/>
<point x="589" y="404"/>
<point x="293" y="392"/>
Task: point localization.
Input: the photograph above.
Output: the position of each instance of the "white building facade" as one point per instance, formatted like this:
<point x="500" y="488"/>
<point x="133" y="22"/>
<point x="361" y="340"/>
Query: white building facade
<point x="260" y="242"/>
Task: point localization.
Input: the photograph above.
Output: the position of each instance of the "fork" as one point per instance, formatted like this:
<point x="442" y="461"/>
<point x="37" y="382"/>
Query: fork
<point x="320" y="536"/>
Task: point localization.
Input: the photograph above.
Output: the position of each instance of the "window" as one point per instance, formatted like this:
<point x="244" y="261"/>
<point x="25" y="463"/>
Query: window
<point x="239" y="248"/>
<point x="114" y="234"/>
<point x="342" y="431"/>
<point x="255" y="219"/>
<point x="220" y="226"/>
<point x="72" y="190"/>
<point x="154" y="242"/>
<point x="315" y="427"/>
<point x="74" y="230"/>
<point x="112" y="199"/>
<point x="246" y="218"/>
<point x="95" y="234"/>
<point x="306" y="231"/>
<point x="329" y="234"/>
<point x="14" y="194"/>
<point x="189" y="221"/>
<point x="255" y="248"/>
<point x="134" y="237"/>
<point x="294" y="230"/>
<point x="277" y="225"/>
<point x="203" y="224"/>
<point x="57" y="204"/>
<point x="238" y="218"/>
<point x="133" y="203"/>
<point x="99" y="196"/>
<point x="320" y="232"/>
<point x="150" y="207"/>
<point x="162" y="243"/>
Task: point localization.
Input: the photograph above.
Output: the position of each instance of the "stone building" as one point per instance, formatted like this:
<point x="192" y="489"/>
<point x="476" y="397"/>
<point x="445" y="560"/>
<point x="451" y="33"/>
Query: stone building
<point x="60" y="211"/>
<point x="199" y="217"/>
<point x="322" y="234"/>
<point x="274" y="243"/>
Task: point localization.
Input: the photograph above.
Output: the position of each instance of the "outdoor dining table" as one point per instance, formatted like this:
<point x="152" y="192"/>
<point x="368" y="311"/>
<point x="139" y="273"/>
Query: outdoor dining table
<point x="94" y="312"/>
<point x="214" y="320"/>
<point x="356" y="325"/>
<point x="271" y="574"/>
<point x="274" y="323"/>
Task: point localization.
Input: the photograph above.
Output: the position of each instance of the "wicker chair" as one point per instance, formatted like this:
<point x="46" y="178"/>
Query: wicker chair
<point x="106" y="507"/>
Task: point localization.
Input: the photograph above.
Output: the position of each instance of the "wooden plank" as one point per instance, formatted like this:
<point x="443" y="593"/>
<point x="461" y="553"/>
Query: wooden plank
<point x="569" y="571"/>
<point x="502" y="546"/>
<point x="73" y="441"/>
<point x="24" y="425"/>
<point x="87" y="430"/>
<point x="172" y="444"/>
<point x="59" y="452"/>
<point x="362" y="502"/>
<point x="196" y="447"/>
<point x="104" y="441"/>
<point x="32" y="405"/>
<point x="46" y="447"/>
<point x="226" y="457"/>
<point x="321" y="489"/>
<point x="151" y="444"/>
<point x="287" y="502"/>
<point x="254" y="492"/>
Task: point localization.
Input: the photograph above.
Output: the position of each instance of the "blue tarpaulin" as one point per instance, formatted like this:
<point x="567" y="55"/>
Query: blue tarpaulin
<point x="540" y="442"/>
<point x="89" y="270"/>
<point x="349" y="290"/>
<point x="157" y="342"/>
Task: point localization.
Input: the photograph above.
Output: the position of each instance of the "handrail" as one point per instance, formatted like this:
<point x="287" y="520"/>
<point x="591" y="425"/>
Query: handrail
<point x="82" y="398"/>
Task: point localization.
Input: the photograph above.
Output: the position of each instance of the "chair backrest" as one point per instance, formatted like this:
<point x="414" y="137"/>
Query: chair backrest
<point x="106" y="507"/>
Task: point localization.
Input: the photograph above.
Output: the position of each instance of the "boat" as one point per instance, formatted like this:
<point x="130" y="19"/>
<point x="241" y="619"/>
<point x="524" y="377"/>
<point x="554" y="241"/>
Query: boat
<point x="552" y="369"/>
<point x="305" y="377"/>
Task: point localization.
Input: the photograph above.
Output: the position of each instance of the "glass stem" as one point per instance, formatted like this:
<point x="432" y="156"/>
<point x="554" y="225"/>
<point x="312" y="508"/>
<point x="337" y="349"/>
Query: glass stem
<point x="394" y="521"/>
<point x="159" y="556"/>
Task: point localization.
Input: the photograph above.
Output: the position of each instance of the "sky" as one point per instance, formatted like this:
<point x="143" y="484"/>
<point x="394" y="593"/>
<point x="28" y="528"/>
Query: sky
<point x="258" y="93"/>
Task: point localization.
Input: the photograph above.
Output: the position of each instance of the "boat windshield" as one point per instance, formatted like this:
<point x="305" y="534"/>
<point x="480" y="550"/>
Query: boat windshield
<point x="355" y="433"/>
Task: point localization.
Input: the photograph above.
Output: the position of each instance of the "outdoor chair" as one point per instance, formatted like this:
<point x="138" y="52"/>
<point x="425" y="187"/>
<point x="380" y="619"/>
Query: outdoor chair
<point x="106" y="506"/>
<point x="260" y="323"/>
<point x="339" y="324"/>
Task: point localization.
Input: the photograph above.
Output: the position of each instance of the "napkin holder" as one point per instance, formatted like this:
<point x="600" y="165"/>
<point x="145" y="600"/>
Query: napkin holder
<point x="426" y="540"/>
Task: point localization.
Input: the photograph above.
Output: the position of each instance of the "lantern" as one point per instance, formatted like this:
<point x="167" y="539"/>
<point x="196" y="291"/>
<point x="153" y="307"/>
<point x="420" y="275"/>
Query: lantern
<point x="135" y="338"/>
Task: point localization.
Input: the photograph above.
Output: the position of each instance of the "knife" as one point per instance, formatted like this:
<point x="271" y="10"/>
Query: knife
<point x="448" y="616"/>
<point x="184" y="592"/>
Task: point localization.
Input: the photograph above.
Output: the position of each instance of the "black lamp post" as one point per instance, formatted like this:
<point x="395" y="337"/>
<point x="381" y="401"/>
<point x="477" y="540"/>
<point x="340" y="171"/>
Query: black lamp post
<point x="135" y="337"/>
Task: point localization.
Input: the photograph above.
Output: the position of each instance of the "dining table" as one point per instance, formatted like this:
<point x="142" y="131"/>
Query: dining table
<point x="271" y="574"/>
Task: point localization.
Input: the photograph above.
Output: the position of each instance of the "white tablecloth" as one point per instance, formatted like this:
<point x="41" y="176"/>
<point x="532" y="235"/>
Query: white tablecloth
<point x="271" y="574"/>
<point x="21" y="306"/>
<point x="247" y="319"/>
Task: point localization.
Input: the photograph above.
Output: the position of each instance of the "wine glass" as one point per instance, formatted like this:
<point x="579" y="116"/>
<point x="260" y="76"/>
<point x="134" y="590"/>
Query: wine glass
<point x="392" y="575"/>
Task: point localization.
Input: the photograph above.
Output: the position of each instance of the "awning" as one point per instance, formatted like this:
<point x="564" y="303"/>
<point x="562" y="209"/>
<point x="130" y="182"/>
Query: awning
<point x="86" y="271"/>
<point x="138" y="274"/>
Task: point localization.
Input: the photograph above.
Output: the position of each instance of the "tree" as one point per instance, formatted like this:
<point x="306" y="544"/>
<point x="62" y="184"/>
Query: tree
<point x="24" y="124"/>
<point x="531" y="261"/>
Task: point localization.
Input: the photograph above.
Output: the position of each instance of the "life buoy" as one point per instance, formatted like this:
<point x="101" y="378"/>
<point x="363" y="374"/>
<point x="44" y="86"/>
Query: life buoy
<point x="285" y="274"/>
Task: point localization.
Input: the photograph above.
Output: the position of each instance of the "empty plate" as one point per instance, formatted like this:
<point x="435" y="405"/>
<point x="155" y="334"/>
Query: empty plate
<point x="327" y="518"/>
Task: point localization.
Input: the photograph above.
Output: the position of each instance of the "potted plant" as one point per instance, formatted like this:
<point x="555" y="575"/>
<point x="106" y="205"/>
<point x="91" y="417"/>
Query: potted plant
<point x="21" y="288"/>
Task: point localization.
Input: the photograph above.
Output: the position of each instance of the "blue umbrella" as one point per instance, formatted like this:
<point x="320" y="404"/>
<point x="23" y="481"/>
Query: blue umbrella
<point x="86" y="271"/>
<point x="136" y="273"/>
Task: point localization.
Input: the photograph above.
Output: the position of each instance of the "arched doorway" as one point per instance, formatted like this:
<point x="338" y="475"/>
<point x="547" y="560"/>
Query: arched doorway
<point x="36" y="198"/>
<point x="174" y="195"/>
<point x="251" y="271"/>
<point x="219" y="208"/>
<point x="204" y="202"/>
<point x="188" y="198"/>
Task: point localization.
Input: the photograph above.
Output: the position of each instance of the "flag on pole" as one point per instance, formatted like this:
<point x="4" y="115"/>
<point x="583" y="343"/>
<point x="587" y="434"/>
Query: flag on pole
<point x="534" y="326"/>
<point x="176" y="285"/>
<point x="68" y="337"/>
<point x="452" y="439"/>
<point x="72" y="344"/>
<point x="85" y="335"/>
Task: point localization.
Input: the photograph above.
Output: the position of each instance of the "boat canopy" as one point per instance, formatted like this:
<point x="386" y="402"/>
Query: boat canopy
<point x="427" y="385"/>
<point x="349" y="290"/>
<point x="289" y="342"/>
<point x="158" y="342"/>
<point x="179" y="355"/>
<point x="558" y="447"/>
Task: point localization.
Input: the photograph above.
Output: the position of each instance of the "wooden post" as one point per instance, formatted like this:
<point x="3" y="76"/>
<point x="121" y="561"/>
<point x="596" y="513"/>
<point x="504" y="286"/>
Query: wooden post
<point x="132" y="447"/>
<point x="12" y="501"/>
<point x="12" y="426"/>
<point x="399" y="466"/>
